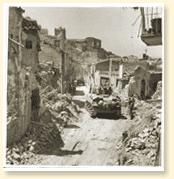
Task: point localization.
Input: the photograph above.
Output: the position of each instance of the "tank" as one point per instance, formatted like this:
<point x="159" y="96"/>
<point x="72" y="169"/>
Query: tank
<point x="103" y="103"/>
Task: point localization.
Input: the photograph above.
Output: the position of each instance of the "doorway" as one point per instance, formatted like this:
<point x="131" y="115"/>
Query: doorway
<point x="35" y="104"/>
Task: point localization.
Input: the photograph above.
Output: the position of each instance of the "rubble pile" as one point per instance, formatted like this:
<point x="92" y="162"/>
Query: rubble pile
<point x="60" y="103"/>
<point x="37" y="137"/>
<point x="142" y="145"/>
<point x="48" y="75"/>
<point x="158" y="94"/>
<point x="44" y="134"/>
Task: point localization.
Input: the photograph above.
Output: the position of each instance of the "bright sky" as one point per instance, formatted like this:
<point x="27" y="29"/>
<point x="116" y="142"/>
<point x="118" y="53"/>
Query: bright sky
<point x="113" y="25"/>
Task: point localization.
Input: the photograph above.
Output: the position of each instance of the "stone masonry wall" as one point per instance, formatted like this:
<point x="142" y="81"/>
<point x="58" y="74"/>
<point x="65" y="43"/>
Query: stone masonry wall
<point x="20" y="81"/>
<point x="18" y="102"/>
<point x="19" y="90"/>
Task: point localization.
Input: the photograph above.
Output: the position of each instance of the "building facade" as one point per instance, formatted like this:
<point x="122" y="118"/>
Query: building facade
<point x="23" y="47"/>
<point x="31" y="41"/>
<point x="106" y="72"/>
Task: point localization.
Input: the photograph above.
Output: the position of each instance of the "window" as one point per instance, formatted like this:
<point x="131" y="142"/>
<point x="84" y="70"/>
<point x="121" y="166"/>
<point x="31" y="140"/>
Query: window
<point x="11" y="36"/>
<point x="29" y="44"/>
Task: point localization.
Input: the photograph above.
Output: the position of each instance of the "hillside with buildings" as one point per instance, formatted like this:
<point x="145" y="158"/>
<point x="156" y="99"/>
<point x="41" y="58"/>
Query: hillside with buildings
<point x="81" y="52"/>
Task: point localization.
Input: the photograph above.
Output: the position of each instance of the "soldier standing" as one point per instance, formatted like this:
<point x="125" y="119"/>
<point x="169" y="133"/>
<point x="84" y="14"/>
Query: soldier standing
<point x="110" y="90"/>
<point x="131" y="106"/>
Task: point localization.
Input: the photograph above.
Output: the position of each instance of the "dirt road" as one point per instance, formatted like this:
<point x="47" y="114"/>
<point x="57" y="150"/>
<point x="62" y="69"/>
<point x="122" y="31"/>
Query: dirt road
<point x="88" y="142"/>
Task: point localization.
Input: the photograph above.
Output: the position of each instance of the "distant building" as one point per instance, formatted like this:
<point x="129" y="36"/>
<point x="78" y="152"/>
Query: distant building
<point x="93" y="42"/>
<point x="132" y="58"/>
<point x="125" y="58"/>
<point x="106" y="72"/>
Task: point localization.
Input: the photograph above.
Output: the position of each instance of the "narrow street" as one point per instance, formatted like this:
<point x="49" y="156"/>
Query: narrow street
<point x="88" y="142"/>
<point x="81" y="97"/>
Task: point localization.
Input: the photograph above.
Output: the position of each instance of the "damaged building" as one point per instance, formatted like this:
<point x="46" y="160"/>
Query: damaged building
<point x="79" y="53"/>
<point x="125" y="77"/>
<point x="140" y="81"/>
<point x="23" y="90"/>
<point x="105" y="72"/>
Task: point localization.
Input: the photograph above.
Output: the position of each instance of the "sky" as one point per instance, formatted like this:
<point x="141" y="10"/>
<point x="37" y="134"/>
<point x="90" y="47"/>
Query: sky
<point x="112" y="25"/>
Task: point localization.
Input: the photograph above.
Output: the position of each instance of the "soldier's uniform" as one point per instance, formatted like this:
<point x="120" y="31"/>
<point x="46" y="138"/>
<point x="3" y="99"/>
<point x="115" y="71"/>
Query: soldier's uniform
<point x="131" y="106"/>
<point x="110" y="90"/>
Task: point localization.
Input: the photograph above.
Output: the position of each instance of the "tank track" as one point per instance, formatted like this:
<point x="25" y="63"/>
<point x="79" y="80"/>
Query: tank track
<point x="90" y="109"/>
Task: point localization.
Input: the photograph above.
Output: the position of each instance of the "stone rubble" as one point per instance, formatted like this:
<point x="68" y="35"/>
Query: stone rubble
<point x="61" y="111"/>
<point x="33" y="142"/>
<point x="144" y="143"/>
<point x="158" y="94"/>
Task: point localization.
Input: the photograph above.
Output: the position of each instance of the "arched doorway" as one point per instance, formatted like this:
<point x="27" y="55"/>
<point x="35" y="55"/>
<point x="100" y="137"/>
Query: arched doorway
<point x="143" y="88"/>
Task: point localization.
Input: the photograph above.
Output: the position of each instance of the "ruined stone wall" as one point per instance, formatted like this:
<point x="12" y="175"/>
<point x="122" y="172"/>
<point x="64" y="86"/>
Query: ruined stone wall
<point x="93" y="42"/>
<point x="131" y="65"/>
<point x="20" y="84"/>
<point x="14" y="23"/>
<point x="20" y="81"/>
<point x="91" y="56"/>
<point x="43" y="33"/>
<point x="17" y="85"/>
<point x="134" y="85"/>
<point x="102" y="53"/>
<point x="154" y="79"/>
<point x="18" y="101"/>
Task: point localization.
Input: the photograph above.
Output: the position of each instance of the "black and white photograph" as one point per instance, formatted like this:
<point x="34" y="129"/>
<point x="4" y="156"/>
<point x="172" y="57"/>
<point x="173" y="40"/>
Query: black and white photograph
<point x="84" y="87"/>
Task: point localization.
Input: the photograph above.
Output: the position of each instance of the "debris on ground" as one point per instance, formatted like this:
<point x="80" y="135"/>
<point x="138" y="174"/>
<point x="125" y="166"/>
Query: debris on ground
<point x="158" y="93"/>
<point x="44" y="135"/>
<point x="142" y="145"/>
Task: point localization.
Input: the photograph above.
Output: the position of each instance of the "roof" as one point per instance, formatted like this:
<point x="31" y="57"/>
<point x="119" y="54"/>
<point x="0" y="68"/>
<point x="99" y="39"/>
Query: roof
<point x="116" y="59"/>
<point x="29" y="24"/>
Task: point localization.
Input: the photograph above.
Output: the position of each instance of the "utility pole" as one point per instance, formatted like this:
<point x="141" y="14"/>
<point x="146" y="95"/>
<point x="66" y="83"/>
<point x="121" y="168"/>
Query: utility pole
<point x="60" y="37"/>
<point x="143" y="19"/>
<point x="62" y="71"/>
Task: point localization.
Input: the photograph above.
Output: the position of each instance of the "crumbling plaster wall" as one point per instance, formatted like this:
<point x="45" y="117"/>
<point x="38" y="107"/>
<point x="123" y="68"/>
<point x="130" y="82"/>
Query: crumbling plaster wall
<point x="154" y="79"/>
<point x="135" y="82"/>
<point x="18" y="101"/>
<point x="19" y="89"/>
<point x="20" y="82"/>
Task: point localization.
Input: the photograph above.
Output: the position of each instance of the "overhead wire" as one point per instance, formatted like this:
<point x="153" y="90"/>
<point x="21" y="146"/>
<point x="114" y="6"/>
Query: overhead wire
<point x="132" y="32"/>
